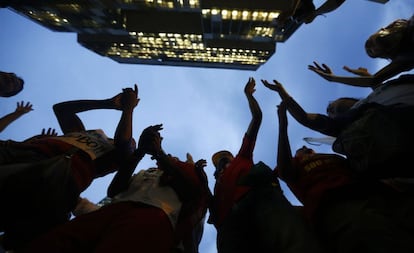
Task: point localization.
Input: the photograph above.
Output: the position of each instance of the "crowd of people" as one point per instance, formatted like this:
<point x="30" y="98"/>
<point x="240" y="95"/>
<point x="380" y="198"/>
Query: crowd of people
<point x="359" y="198"/>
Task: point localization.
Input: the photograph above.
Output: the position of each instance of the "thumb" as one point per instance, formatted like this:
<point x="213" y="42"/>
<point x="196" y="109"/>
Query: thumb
<point x="190" y="158"/>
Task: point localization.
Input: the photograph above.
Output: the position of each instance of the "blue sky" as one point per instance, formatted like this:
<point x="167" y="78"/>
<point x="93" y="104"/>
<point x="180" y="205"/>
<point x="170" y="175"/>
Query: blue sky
<point x="203" y="110"/>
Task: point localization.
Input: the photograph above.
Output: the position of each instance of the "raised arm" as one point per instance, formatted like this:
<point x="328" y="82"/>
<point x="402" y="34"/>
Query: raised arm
<point x="314" y="121"/>
<point x="20" y="110"/>
<point x="149" y="143"/>
<point x="66" y="112"/>
<point x="394" y="68"/>
<point x="364" y="79"/>
<point x="123" y="134"/>
<point x="284" y="153"/>
<point x="361" y="71"/>
<point x="361" y="81"/>
<point x="120" y="181"/>
<point x="255" y="110"/>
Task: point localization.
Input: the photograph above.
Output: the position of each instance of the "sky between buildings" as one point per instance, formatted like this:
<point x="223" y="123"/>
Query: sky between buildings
<point x="202" y="110"/>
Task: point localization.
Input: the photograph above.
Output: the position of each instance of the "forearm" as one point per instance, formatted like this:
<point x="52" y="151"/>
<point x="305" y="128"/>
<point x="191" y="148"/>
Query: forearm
<point x="123" y="133"/>
<point x="66" y="112"/>
<point x="8" y="119"/>
<point x="297" y="111"/>
<point x="284" y="154"/>
<point x="315" y="121"/>
<point x="257" y="116"/>
<point x="77" y="106"/>
<point x="121" y="179"/>
<point x="362" y="81"/>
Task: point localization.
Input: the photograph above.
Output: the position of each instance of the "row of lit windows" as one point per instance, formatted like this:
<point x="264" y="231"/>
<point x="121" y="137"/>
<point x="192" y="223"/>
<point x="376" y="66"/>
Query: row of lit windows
<point x="185" y="40"/>
<point x="48" y="17"/>
<point x="170" y="35"/>
<point x="225" y="14"/>
<point x="52" y="18"/>
<point x="251" y="61"/>
<point x="178" y="41"/>
<point x="165" y="4"/>
<point x="241" y="14"/>
<point x="169" y="40"/>
<point x="209" y="50"/>
<point x="204" y="56"/>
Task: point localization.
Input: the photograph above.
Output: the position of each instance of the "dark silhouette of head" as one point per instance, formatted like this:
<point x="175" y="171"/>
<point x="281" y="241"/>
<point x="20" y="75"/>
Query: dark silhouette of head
<point x="10" y="84"/>
<point x="340" y="106"/>
<point x="220" y="160"/>
<point x="388" y="42"/>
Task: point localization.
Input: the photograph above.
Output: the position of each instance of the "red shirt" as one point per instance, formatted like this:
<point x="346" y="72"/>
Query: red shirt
<point x="194" y="184"/>
<point x="84" y="169"/>
<point x="316" y="176"/>
<point x="227" y="191"/>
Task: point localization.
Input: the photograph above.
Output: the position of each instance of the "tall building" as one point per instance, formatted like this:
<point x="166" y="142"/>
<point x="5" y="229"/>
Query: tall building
<point x="235" y="34"/>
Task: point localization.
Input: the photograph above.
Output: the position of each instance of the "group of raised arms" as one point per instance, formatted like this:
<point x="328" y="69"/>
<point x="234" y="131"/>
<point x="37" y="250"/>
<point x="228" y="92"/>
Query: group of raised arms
<point x="358" y="198"/>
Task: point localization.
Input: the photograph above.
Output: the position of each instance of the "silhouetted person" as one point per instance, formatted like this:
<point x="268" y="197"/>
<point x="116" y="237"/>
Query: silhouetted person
<point x="374" y="133"/>
<point x="154" y="210"/>
<point x="348" y="214"/>
<point x="329" y="124"/>
<point x="42" y="178"/>
<point x="395" y="42"/>
<point x="373" y="150"/>
<point x="249" y="209"/>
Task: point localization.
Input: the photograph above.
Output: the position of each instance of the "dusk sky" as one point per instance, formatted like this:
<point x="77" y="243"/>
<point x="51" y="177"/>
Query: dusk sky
<point x="203" y="110"/>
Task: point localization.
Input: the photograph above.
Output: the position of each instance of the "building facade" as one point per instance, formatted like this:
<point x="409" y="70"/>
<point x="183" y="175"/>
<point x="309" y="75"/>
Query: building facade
<point x="235" y="34"/>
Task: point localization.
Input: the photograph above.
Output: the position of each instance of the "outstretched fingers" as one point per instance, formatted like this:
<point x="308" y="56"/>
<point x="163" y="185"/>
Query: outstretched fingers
<point x="24" y="108"/>
<point x="320" y="69"/>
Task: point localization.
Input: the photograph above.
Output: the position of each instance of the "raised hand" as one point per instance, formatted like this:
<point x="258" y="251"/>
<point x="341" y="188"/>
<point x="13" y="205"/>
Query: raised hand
<point x="201" y="164"/>
<point x="126" y="100"/>
<point x="276" y="86"/>
<point x="281" y="112"/>
<point x="189" y="158"/>
<point x="129" y="98"/>
<point x="249" y="89"/>
<point x="49" y="132"/>
<point x="23" y="108"/>
<point x="322" y="70"/>
<point x="359" y="71"/>
<point x="150" y="140"/>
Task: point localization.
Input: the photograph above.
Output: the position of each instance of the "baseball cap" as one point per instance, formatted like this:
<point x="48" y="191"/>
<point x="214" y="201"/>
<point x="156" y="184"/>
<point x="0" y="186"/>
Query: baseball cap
<point x="220" y="155"/>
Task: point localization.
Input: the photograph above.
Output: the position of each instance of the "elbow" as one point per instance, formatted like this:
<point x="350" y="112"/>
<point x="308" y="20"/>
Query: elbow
<point x="57" y="109"/>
